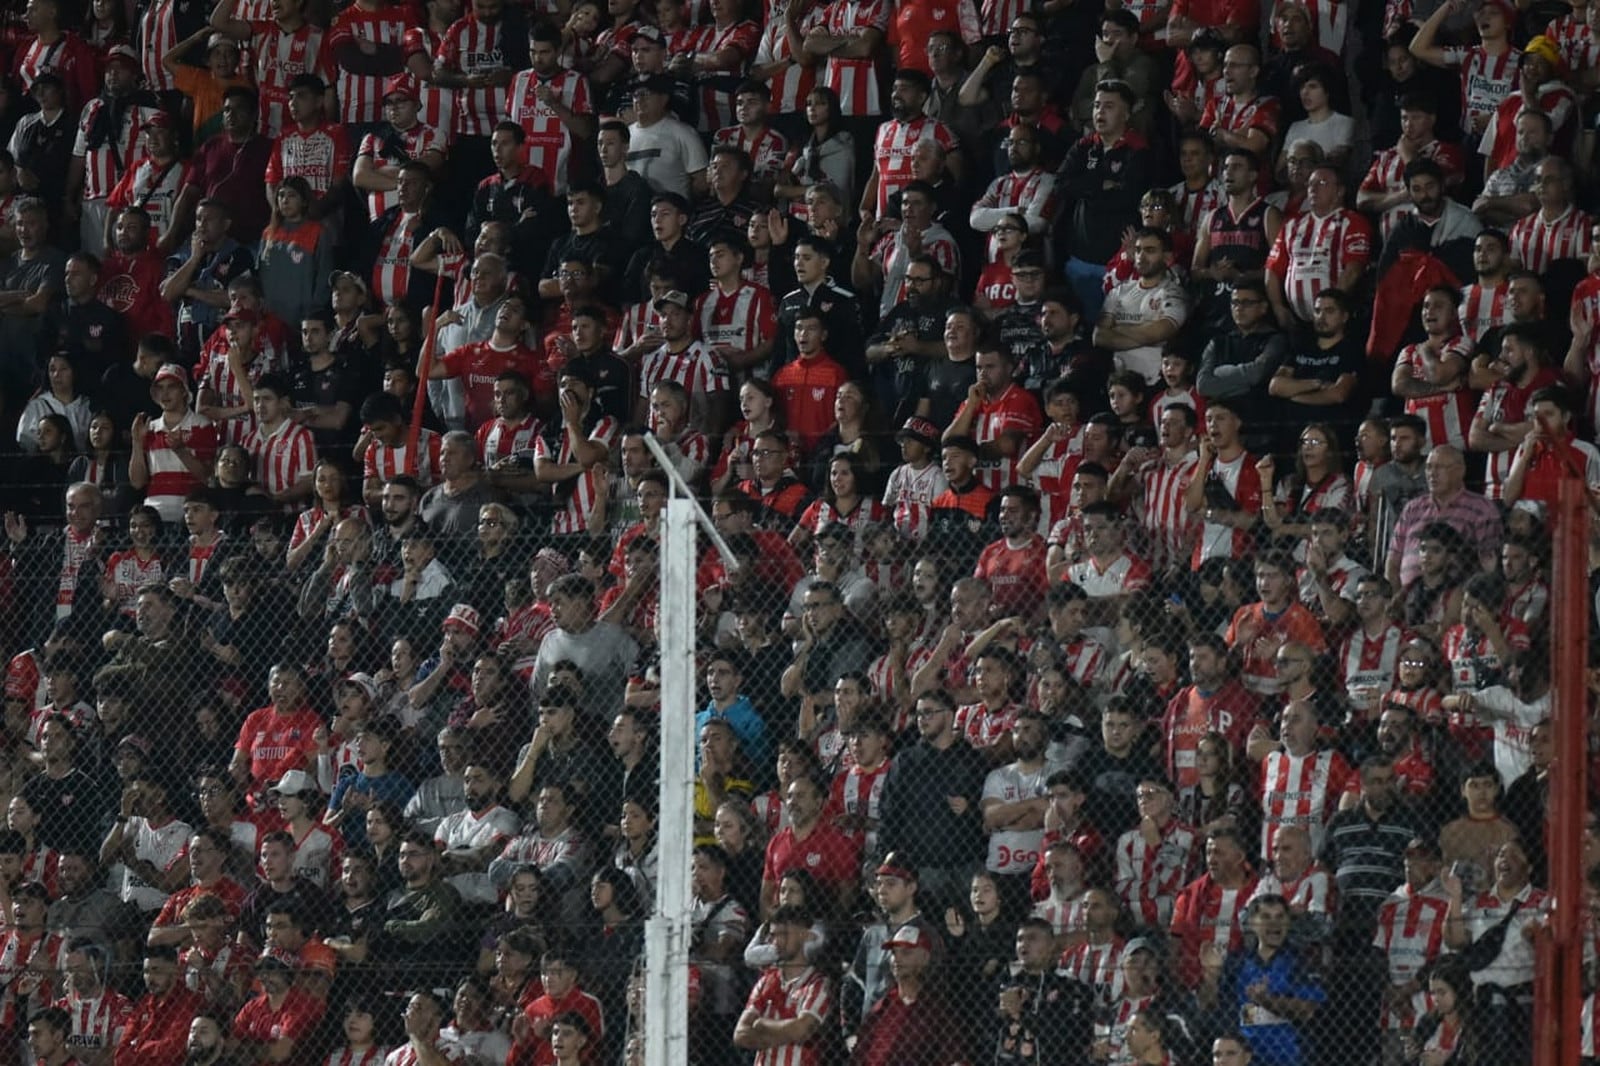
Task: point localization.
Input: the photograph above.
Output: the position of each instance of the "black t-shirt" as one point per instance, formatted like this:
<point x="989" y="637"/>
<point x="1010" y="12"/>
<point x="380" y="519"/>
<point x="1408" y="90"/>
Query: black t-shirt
<point x="71" y="809"/>
<point x="336" y="383"/>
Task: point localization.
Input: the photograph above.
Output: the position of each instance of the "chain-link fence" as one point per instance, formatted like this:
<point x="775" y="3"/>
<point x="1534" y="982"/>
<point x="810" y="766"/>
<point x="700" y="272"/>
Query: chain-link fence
<point x="985" y="776"/>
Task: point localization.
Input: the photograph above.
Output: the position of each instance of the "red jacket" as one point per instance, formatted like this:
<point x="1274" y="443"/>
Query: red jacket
<point x="158" y="1029"/>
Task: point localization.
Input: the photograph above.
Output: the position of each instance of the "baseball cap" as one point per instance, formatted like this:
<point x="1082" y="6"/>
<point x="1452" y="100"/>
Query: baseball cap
<point x="172" y="372"/>
<point x="124" y="53"/>
<point x="364" y="682"/>
<point x="1138" y="943"/>
<point x="463" y="616"/>
<point x="242" y="314"/>
<point x="649" y="33"/>
<point x="274" y="959"/>
<point x="920" y="429"/>
<point x="293" y="783"/>
<point x="910" y="935"/>
<point x="221" y="40"/>
<point x="400" y="85"/>
<point x="676" y="298"/>
<point x="895" y="864"/>
<point x="1423" y="848"/>
<point x="347" y="275"/>
<point x="136" y="742"/>
<point x="1545" y="49"/>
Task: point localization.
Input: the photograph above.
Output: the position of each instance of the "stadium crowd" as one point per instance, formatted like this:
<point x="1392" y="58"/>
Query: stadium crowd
<point x="1133" y="429"/>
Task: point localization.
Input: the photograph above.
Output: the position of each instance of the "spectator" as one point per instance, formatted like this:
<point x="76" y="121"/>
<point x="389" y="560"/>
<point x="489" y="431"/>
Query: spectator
<point x="1269" y="986"/>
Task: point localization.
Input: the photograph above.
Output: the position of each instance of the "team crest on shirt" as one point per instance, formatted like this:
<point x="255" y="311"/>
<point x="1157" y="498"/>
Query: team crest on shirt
<point x="818" y="394"/>
<point x="813" y="859"/>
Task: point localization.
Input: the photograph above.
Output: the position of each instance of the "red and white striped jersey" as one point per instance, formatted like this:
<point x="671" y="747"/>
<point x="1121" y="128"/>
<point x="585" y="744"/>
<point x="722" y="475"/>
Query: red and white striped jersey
<point x="1150" y="876"/>
<point x="1097" y="965"/>
<point x="1485" y="79"/>
<point x="1125" y="574"/>
<point x="1204" y="912"/>
<point x="1448" y="414"/>
<point x="1309" y="893"/>
<point x="892" y="150"/>
<point x="158" y="35"/>
<point x="283" y="455"/>
<point x="1064" y="915"/>
<point x="154" y="187"/>
<point x="1242" y="481"/>
<point x="983" y="726"/>
<point x="47" y="952"/>
<point x="888" y="688"/>
<point x="1482" y="309"/>
<point x="1169" y="530"/>
<point x="348" y="1056"/>
<point x="1528" y="602"/>
<point x="792" y="84"/>
<point x="781" y="1000"/>
<point x="1196" y="205"/>
<point x="766" y="149"/>
<point x="1370" y="661"/>
<point x="438" y="105"/>
<point x="549" y="143"/>
<point x="75" y="552"/>
<point x="716" y="92"/>
<point x="1573" y="39"/>
<point x="910" y="493"/>
<point x="127" y="573"/>
<point x="105" y="165"/>
<point x="696" y="368"/>
<point x="1537" y="242"/>
<point x="1301" y="790"/>
<point x="98" y="1022"/>
<point x="855" y="80"/>
<point x="1387" y="175"/>
<point x="70" y="57"/>
<point x="858" y="794"/>
<point x="385" y="461"/>
<point x="309" y="518"/>
<point x="1085" y="659"/>
<point x="1330" y="19"/>
<point x="1312" y="251"/>
<point x="742" y="320"/>
<point x="391" y="267"/>
<point x="1228" y="114"/>
<point x="170" y="479"/>
<point x="453" y="1053"/>
<point x="213" y="372"/>
<point x="281" y="57"/>
<point x="418" y="139"/>
<point x="994" y="16"/>
<point x="637" y="320"/>
<point x="1504" y="401"/>
<point x="361" y="95"/>
<point x="580" y="505"/>
<point x="499" y="439"/>
<point x="473" y="47"/>
<point x="1410" y="934"/>
<point x="320" y="155"/>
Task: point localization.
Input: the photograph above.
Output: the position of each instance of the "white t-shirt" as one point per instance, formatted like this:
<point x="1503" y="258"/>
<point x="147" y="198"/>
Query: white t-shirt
<point x="1335" y="133"/>
<point x="665" y="154"/>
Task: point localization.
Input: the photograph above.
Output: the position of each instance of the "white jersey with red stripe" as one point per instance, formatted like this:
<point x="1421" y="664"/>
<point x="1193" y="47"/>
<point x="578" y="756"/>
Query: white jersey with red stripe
<point x="1482" y="309"/>
<point x="1120" y="576"/>
<point x="1243" y="482"/>
<point x="127" y="574"/>
<point x="696" y="368"/>
<point x="1085" y="659"/>
<point x="1064" y="915"/>
<point x="1169" y="529"/>
<point x="46" y="952"/>
<point x="1486" y="80"/>
<point x="283" y="455"/>
<point x="473" y="48"/>
<point x="854" y="79"/>
<point x="1196" y="205"/>
<point x="1309" y="893"/>
<point x="452" y="1052"/>
<point x="349" y="1056"/>
<point x="549" y="143"/>
<point x="391" y="267"/>
<point x="994" y="16"/>
<point x="574" y="517"/>
<point x="1330" y="22"/>
<point x="153" y="187"/>
<point x="1410" y="933"/>
<point x="416" y="141"/>
<point x="766" y="147"/>
<point x="1150" y="876"/>
<point x="1537" y="242"/>
<point x="438" y="105"/>
<point x="499" y="439"/>
<point x="1301" y="790"/>
<point x="385" y="461"/>
<point x="1448" y="414"/>
<point x="1312" y="252"/>
<point x="103" y="166"/>
<point x="98" y="1021"/>
<point x="320" y="155"/>
<point x="910" y="493"/>
<point x="1501" y="402"/>
<point x="158" y="35"/>
<point x="775" y="999"/>
<point x="1367" y="661"/>
<point x="857" y="793"/>
<point x="741" y="320"/>
<point x="1573" y="39"/>
<point x="1097" y="965"/>
<point x="893" y="147"/>
<point x="281" y="57"/>
<point x="170" y="477"/>
<point x="715" y="93"/>
<point x="361" y="95"/>
<point x="793" y="82"/>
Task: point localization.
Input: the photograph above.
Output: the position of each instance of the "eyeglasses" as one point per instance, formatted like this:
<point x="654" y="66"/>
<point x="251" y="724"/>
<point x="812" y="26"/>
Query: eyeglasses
<point x="572" y="275"/>
<point x="919" y="279"/>
<point x="767" y="451"/>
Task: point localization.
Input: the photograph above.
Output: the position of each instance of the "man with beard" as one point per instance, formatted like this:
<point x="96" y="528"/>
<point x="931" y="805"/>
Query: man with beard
<point x="1505" y="416"/>
<point x="161" y="1022"/>
<point x="1509" y="193"/>
<point x="885" y="252"/>
<point x="911" y="334"/>
<point x="1317" y="382"/>
<point x="727" y="203"/>
<point x="470" y="838"/>
<point x="207" y="1041"/>
<point x="1156" y="478"/>
<point x="895" y="140"/>
<point x="109" y="132"/>
<point x="1435" y="223"/>
<point x="817" y="290"/>
<point x="1140" y="316"/>
<point x="131" y="275"/>
<point x="687" y="362"/>
<point x="422" y="916"/>
<point x="1431" y="375"/>
<point x="1385" y="191"/>
<point x="551" y="105"/>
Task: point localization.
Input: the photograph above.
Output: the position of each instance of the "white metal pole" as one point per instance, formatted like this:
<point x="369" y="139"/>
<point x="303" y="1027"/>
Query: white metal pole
<point x="667" y="932"/>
